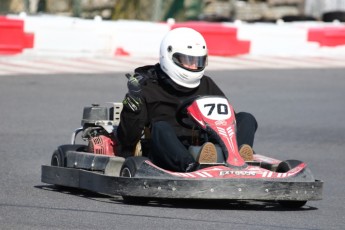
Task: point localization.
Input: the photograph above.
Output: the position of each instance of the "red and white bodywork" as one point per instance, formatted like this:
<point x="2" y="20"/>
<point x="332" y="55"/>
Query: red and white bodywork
<point x="215" y="114"/>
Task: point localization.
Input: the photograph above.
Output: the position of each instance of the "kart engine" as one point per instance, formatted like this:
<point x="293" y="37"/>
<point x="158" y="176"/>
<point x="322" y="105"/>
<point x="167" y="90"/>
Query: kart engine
<point x="101" y="145"/>
<point x="100" y="140"/>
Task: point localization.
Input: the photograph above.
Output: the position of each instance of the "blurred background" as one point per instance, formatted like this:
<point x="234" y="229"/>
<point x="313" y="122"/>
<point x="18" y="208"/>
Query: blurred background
<point x="184" y="10"/>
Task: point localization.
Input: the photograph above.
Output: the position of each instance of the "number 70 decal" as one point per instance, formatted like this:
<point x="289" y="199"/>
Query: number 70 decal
<point x="215" y="108"/>
<point x="221" y="108"/>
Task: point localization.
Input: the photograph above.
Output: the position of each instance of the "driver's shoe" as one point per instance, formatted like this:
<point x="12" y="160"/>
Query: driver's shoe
<point x="246" y="152"/>
<point x="207" y="154"/>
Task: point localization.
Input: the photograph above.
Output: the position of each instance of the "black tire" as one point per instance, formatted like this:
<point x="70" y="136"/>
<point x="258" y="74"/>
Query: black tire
<point x="131" y="165"/>
<point x="287" y="165"/>
<point x="129" y="169"/>
<point x="333" y="15"/>
<point x="58" y="159"/>
<point x="297" y="18"/>
<point x="59" y="155"/>
<point x="283" y="167"/>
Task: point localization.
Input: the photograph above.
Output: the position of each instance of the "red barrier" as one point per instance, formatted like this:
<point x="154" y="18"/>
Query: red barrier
<point x="327" y="36"/>
<point x="12" y="37"/>
<point x="221" y="40"/>
<point x="121" y="52"/>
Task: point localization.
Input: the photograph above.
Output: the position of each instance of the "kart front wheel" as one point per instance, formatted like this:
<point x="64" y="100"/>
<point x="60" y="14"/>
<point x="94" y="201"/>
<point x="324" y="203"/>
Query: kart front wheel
<point x="284" y="167"/>
<point x="129" y="169"/>
<point x="131" y="165"/>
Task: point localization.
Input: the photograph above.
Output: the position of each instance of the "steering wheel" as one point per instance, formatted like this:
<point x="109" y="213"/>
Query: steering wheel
<point x="182" y="116"/>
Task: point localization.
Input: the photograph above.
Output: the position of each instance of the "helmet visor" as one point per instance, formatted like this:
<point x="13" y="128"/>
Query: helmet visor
<point x="191" y="63"/>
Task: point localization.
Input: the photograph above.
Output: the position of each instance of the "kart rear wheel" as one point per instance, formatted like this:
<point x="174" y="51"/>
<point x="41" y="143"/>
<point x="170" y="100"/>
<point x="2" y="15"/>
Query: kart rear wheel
<point x="58" y="159"/>
<point x="129" y="169"/>
<point x="59" y="155"/>
<point x="283" y="167"/>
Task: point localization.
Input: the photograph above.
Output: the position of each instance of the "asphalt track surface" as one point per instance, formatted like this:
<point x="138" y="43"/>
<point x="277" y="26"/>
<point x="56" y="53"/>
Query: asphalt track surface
<point x="300" y="114"/>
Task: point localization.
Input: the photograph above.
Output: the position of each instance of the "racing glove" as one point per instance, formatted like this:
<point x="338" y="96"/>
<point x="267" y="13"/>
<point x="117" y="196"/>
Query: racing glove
<point x="133" y="101"/>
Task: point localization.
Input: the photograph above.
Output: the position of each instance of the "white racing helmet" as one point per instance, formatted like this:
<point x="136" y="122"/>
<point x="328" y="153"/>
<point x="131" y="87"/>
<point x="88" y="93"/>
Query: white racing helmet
<point x="183" y="56"/>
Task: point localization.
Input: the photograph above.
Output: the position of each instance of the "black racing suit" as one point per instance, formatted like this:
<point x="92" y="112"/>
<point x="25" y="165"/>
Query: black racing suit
<point x="161" y="98"/>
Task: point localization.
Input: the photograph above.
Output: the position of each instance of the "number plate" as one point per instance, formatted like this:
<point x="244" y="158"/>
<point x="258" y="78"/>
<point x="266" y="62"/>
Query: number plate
<point x="214" y="108"/>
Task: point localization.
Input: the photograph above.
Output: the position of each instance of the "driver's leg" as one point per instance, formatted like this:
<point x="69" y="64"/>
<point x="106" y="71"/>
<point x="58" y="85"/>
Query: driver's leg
<point x="246" y="128"/>
<point x="167" y="150"/>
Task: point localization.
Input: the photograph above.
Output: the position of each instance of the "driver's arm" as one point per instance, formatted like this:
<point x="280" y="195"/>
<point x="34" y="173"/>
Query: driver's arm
<point x="133" y="114"/>
<point x="130" y="128"/>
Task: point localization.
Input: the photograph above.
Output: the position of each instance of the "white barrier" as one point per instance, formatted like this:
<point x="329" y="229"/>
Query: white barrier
<point x="66" y="36"/>
<point x="285" y="39"/>
<point x="71" y="37"/>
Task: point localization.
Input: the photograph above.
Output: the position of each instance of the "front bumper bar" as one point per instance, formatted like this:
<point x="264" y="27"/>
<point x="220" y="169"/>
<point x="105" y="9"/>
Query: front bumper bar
<point x="229" y="189"/>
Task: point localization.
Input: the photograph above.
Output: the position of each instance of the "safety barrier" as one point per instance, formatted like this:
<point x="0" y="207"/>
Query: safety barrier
<point x="221" y="39"/>
<point x="327" y="36"/>
<point x="74" y="37"/>
<point x="13" y="39"/>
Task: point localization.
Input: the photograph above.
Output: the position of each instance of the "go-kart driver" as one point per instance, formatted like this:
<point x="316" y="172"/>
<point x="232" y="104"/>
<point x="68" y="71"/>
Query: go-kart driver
<point x="156" y="91"/>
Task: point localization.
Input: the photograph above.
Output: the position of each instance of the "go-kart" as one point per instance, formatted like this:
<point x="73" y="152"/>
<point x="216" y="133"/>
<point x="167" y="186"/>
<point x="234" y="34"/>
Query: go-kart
<point x="98" y="166"/>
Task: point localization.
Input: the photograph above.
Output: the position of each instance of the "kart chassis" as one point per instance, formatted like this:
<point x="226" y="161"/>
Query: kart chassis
<point x="101" y="174"/>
